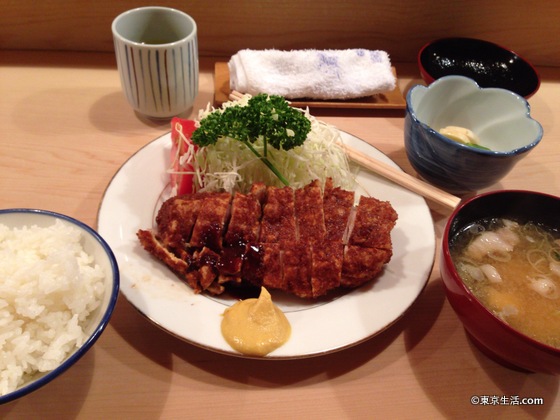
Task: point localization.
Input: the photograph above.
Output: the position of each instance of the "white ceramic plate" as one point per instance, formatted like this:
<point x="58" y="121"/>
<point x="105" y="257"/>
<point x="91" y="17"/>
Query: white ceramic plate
<point x="318" y="327"/>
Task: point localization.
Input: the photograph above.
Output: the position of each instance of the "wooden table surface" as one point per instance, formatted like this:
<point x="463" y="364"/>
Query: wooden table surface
<point x="66" y="129"/>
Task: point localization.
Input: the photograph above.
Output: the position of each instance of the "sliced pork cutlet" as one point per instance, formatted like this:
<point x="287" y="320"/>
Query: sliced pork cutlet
<point x="337" y="209"/>
<point x="302" y="242"/>
<point x="209" y="228"/>
<point x="244" y="223"/>
<point x="171" y="244"/>
<point x="373" y="224"/>
<point x="258" y="190"/>
<point x="284" y="261"/>
<point x="175" y="221"/>
<point x="260" y="262"/>
<point x="262" y="259"/>
<point x="369" y="245"/>
<point x="296" y="268"/>
<point x="324" y="255"/>
<point x="273" y="276"/>
<point x="361" y="265"/>
<point x="179" y="266"/>
<point x="262" y="266"/>
<point x="206" y="240"/>
<point x="243" y="229"/>
<point x="207" y="262"/>
<point x="310" y="220"/>
<point x="278" y="221"/>
<point x="326" y="266"/>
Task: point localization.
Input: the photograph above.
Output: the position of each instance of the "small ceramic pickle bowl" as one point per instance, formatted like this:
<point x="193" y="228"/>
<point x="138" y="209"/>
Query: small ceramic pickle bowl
<point x="500" y="119"/>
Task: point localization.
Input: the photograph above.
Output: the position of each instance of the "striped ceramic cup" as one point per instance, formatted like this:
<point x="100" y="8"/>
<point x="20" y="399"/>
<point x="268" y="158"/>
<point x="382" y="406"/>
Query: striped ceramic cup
<point x="157" y="58"/>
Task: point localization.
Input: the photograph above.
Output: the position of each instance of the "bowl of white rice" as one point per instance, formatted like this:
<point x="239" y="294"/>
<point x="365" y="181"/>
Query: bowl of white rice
<point x="59" y="283"/>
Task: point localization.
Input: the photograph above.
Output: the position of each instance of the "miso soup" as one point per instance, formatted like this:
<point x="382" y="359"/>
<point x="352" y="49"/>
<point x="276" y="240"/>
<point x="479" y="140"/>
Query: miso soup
<point x="514" y="270"/>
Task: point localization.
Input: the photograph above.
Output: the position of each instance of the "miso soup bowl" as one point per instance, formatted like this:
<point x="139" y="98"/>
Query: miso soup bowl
<point x="494" y="337"/>
<point x="500" y="118"/>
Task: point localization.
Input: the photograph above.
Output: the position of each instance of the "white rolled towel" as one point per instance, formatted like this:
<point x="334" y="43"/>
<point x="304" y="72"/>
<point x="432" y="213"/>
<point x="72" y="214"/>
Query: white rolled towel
<point x="313" y="74"/>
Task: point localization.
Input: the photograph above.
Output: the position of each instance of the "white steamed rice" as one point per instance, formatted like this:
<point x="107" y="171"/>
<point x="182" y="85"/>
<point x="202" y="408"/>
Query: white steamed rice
<point x="48" y="288"/>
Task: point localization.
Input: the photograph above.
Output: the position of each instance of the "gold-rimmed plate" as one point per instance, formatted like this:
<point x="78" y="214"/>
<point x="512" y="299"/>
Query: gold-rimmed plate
<point x="318" y="327"/>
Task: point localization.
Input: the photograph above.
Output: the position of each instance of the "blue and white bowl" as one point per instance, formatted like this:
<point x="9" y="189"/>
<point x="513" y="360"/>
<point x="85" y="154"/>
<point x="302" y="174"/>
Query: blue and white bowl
<point x="91" y="244"/>
<point x="500" y="118"/>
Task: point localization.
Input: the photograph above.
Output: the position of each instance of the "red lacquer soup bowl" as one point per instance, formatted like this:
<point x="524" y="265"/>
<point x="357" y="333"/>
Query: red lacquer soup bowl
<point x="493" y="336"/>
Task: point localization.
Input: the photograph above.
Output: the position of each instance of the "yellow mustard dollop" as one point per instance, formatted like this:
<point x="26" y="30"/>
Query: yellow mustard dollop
<point x="255" y="326"/>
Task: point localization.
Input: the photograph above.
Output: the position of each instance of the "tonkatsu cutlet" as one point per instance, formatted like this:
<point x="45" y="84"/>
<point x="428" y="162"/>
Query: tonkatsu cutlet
<point x="306" y="241"/>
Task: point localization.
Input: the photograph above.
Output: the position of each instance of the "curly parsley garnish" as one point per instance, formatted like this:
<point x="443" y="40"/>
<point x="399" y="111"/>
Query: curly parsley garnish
<point x="269" y="118"/>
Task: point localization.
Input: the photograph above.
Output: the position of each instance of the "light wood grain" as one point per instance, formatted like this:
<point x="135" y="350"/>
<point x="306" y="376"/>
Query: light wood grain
<point x="399" y="27"/>
<point x="67" y="128"/>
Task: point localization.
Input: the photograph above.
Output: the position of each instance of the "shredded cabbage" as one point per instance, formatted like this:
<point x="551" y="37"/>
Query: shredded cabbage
<point x="230" y="166"/>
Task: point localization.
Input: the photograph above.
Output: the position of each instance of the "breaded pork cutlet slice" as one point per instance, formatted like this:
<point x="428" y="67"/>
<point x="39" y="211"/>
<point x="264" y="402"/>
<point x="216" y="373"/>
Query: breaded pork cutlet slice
<point x="175" y="221"/>
<point x="209" y="228"/>
<point x="261" y="261"/>
<point x="244" y="223"/>
<point x="326" y="266"/>
<point x="258" y="190"/>
<point x="262" y="266"/>
<point x="361" y="265"/>
<point x="178" y="265"/>
<point x="322" y="252"/>
<point x="272" y="268"/>
<point x="296" y="267"/>
<point x="310" y="219"/>
<point x="369" y="243"/>
<point x="243" y="229"/>
<point x="299" y="241"/>
<point x="337" y="208"/>
<point x="374" y="221"/>
<point x="278" y="221"/>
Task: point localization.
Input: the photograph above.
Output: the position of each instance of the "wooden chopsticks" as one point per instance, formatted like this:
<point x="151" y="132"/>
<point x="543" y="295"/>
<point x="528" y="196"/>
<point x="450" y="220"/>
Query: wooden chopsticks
<point x="403" y="179"/>
<point x="397" y="176"/>
<point x="235" y="95"/>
